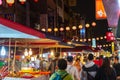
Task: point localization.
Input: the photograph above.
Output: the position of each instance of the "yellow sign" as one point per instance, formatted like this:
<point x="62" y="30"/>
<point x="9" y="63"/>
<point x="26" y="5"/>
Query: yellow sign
<point x="113" y="47"/>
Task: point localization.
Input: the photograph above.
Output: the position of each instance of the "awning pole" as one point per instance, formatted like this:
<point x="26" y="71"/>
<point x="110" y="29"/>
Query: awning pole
<point x="60" y="52"/>
<point x="9" y="54"/>
<point x="41" y="52"/>
<point x="56" y="50"/>
<point x="14" y="57"/>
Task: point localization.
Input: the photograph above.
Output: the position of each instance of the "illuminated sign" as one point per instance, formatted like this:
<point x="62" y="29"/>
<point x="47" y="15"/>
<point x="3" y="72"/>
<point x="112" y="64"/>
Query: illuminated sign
<point x="93" y="42"/>
<point x="100" y="11"/>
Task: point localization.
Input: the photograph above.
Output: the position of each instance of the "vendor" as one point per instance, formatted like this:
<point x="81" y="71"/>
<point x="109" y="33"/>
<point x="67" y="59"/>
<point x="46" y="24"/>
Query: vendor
<point x="25" y="63"/>
<point x="37" y="63"/>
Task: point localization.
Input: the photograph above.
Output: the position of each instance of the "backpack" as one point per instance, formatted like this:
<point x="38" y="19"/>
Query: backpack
<point x="90" y="69"/>
<point x="58" y="76"/>
<point x="89" y="77"/>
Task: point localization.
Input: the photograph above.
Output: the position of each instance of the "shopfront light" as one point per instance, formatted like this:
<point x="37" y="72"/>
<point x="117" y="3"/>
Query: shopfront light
<point x="3" y="52"/>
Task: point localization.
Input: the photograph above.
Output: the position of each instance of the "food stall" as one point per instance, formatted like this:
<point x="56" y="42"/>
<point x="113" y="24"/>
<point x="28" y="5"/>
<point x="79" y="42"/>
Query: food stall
<point x="16" y="35"/>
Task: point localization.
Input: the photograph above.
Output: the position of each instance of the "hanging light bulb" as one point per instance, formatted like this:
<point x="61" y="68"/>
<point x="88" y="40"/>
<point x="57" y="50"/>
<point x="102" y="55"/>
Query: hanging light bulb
<point x="36" y="0"/>
<point x="80" y="26"/>
<point x="55" y="29"/>
<point x="30" y="51"/>
<point x="10" y="2"/>
<point x="26" y="52"/>
<point x="3" y="52"/>
<point x="87" y="25"/>
<point x="22" y="1"/>
<point x="49" y="29"/>
<point x="93" y="24"/>
<point x="43" y="29"/>
<point x="61" y="29"/>
<point x="74" y="27"/>
<point x="67" y="28"/>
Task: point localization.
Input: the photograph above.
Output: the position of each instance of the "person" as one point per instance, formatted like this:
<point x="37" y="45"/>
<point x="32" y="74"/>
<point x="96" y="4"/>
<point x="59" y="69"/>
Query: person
<point x="53" y="64"/>
<point x="37" y="63"/>
<point x="43" y="64"/>
<point x="71" y="69"/>
<point x="100" y="60"/>
<point x="62" y="65"/>
<point x="89" y="69"/>
<point x="78" y="65"/>
<point x="25" y="63"/>
<point x="116" y="66"/>
<point x="106" y="72"/>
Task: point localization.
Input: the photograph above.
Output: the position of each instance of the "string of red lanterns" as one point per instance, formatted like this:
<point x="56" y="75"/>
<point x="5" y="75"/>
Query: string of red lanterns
<point x="67" y="28"/>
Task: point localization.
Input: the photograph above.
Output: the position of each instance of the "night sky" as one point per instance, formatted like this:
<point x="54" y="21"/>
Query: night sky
<point x="87" y="8"/>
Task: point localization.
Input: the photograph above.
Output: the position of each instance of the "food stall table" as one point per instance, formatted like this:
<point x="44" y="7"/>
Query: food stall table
<point x="43" y="77"/>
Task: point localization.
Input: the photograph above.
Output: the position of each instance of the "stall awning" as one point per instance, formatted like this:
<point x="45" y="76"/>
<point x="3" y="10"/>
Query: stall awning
<point x="10" y="29"/>
<point x="23" y="36"/>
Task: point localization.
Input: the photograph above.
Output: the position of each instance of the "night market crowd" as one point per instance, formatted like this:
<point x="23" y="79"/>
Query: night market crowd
<point x="79" y="67"/>
<point x="91" y="68"/>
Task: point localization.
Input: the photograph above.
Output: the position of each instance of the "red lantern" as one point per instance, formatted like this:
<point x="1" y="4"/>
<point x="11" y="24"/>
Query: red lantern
<point x="22" y="1"/>
<point x="61" y="29"/>
<point x="10" y="2"/>
<point x="110" y="36"/>
<point x="36" y="0"/>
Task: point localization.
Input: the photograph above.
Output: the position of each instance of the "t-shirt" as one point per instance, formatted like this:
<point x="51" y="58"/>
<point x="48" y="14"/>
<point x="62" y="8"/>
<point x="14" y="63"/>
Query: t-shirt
<point x="73" y="71"/>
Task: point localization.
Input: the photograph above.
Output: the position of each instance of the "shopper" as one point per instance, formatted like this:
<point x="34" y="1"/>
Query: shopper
<point x="71" y="69"/>
<point x="89" y="69"/>
<point x="53" y="64"/>
<point x="106" y="72"/>
<point x="78" y="65"/>
<point x="116" y="66"/>
<point x="61" y="72"/>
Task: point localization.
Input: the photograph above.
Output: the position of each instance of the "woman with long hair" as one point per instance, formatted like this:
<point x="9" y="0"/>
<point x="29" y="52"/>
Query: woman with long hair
<point x="106" y="72"/>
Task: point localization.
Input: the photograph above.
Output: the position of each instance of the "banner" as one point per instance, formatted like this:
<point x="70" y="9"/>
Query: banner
<point x="112" y="12"/>
<point x="100" y="11"/>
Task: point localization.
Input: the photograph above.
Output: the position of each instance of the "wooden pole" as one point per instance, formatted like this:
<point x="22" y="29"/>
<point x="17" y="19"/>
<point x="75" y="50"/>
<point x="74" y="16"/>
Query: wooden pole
<point x="14" y="56"/>
<point x="9" y="54"/>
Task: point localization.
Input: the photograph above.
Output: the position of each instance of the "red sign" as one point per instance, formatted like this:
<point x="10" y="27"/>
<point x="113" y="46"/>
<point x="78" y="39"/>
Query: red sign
<point x="110" y="36"/>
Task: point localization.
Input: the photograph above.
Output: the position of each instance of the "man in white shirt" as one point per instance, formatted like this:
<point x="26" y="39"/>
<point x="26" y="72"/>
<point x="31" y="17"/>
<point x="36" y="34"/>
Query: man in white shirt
<point x="72" y="69"/>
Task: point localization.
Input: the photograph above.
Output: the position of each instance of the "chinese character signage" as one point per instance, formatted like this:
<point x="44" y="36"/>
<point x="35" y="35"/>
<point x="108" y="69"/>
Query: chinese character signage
<point x="94" y="42"/>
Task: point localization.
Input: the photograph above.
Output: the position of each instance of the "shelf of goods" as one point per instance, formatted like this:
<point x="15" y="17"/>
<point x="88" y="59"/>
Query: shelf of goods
<point x="28" y="74"/>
